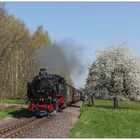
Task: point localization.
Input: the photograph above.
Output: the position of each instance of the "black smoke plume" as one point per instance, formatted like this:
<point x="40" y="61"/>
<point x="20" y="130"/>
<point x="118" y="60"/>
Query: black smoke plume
<point x="63" y="57"/>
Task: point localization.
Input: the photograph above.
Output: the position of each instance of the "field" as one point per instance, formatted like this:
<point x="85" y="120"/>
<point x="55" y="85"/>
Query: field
<point x="102" y="121"/>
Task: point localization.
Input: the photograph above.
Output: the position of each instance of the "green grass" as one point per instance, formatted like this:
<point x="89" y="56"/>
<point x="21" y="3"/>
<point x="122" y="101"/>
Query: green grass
<point x="4" y="114"/>
<point x="102" y="121"/>
<point x="13" y="113"/>
<point x="12" y="101"/>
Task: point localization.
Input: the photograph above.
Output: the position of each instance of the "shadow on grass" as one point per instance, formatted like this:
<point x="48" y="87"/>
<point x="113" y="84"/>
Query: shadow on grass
<point x="99" y="106"/>
<point x="104" y="106"/>
<point x="111" y="107"/>
<point x="22" y="113"/>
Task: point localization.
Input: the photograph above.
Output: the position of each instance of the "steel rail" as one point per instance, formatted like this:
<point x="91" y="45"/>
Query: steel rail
<point x="4" y="132"/>
<point x="24" y="128"/>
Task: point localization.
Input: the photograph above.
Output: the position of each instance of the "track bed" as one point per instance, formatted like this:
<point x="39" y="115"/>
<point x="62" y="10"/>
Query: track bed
<point x="58" y="126"/>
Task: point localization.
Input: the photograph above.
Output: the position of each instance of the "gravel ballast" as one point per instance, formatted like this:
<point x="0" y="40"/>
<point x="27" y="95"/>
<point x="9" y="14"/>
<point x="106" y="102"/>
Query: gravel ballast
<point x="59" y="126"/>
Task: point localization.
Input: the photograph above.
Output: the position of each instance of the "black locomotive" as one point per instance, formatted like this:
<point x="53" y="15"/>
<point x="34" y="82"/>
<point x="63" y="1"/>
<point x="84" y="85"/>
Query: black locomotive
<point x="49" y="93"/>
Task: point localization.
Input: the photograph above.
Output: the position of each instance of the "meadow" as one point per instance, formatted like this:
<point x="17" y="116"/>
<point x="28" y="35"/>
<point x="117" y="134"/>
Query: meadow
<point x="102" y="121"/>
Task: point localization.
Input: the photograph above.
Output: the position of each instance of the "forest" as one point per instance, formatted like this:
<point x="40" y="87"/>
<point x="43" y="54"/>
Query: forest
<point x="18" y="47"/>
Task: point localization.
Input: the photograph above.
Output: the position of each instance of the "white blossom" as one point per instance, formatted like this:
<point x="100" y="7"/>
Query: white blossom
<point x="114" y="73"/>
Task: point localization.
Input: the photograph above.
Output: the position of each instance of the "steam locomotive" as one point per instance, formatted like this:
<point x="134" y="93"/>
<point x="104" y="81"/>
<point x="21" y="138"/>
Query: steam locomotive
<point x="48" y="94"/>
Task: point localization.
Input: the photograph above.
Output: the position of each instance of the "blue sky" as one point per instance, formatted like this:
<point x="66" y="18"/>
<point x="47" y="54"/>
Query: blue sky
<point x="92" y="25"/>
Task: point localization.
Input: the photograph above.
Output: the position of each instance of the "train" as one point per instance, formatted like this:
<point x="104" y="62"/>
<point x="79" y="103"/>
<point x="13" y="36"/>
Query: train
<point x="49" y="93"/>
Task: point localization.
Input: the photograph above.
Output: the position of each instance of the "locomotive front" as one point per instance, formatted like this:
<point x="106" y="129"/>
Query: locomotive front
<point x="40" y="87"/>
<point x="44" y="96"/>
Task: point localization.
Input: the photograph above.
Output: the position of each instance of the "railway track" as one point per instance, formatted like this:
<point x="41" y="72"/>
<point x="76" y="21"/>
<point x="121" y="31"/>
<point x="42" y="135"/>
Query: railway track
<point x="19" y="128"/>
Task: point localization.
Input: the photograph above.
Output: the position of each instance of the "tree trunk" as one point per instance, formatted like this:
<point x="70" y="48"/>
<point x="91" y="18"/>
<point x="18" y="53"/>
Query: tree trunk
<point x="89" y="102"/>
<point x="115" y="105"/>
<point x="92" y="100"/>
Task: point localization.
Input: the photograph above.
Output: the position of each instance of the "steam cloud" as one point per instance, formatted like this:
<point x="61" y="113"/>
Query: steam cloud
<point x="64" y="57"/>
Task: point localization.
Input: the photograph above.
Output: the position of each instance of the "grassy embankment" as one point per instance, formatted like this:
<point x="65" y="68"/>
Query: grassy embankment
<point x="102" y="121"/>
<point x="17" y="113"/>
<point x="9" y="112"/>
